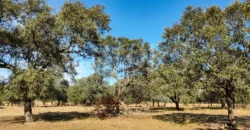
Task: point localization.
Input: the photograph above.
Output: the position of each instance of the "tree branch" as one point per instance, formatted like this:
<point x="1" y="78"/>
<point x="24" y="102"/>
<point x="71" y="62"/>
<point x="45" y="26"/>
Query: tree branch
<point x="7" y="66"/>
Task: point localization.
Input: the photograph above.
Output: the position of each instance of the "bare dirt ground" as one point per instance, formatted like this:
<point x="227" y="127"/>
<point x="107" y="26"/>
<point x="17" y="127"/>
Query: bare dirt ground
<point x="157" y="118"/>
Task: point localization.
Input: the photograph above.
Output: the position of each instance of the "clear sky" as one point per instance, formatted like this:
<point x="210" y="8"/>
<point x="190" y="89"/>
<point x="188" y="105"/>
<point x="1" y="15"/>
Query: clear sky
<point x="144" y="19"/>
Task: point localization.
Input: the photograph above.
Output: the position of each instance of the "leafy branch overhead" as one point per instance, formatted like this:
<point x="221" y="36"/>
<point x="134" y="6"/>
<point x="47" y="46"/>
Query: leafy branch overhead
<point x="31" y="33"/>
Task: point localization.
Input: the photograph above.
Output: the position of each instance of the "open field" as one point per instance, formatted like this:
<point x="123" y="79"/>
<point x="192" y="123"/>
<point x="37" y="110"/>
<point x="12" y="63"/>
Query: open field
<point x="79" y="117"/>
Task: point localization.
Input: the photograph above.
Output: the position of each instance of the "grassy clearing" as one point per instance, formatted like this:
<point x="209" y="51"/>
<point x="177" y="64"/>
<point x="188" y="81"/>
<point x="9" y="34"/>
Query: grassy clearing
<point x="78" y="118"/>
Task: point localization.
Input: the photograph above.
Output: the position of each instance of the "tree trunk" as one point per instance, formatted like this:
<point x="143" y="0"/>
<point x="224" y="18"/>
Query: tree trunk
<point x="222" y="103"/>
<point x="177" y="106"/>
<point x="164" y="104"/>
<point x="28" y="111"/>
<point x="117" y="107"/>
<point x="117" y="104"/>
<point x="58" y="102"/>
<point x="153" y="103"/>
<point x="229" y="99"/>
<point x="158" y="103"/>
<point x="91" y="101"/>
<point x="176" y="100"/>
<point x="233" y="102"/>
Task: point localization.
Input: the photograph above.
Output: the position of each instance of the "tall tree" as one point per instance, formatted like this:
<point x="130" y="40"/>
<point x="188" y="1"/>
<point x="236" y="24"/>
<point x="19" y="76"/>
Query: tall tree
<point x="178" y="69"/>
<point x="122" y="61"/>
<point x="215" y="43"/>
<point x="33" y="36"/>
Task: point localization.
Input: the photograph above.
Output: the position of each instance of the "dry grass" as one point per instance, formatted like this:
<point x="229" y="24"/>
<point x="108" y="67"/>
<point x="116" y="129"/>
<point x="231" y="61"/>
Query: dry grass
<point x="78" y="118"/>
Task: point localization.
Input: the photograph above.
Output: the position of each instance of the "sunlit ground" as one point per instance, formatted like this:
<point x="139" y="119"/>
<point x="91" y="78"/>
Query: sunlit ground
<point x="79" y="118"/>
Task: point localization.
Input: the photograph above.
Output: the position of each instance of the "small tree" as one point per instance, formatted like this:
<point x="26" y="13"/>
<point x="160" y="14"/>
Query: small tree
<point x="28" y="86"/>
<point x="75" y="94"/>
<point x="88" y="90"/>
<point x="61" y="92"/>
<point x="170" y="83"/>
<point x="137" y="91"/>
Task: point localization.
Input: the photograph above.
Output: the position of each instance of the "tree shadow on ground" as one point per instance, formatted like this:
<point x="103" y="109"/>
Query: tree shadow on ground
<point x="160" y="109"/>
<point x="187" y="118"/>
<point x="47" y="106"/>
<point x="62" y="116"/>
<point x="206" y="108"/>
<point x="12" y="120"/>
<point x="49" y="116"/>
<point x="202" y="108"/>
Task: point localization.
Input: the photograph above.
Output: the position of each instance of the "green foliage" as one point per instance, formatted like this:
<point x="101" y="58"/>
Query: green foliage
<point x="75" y="94"/>
<point x="204" y="56"/>
<point x="3" y="84"/>
<point x="124" y="60"/>
<point x="169" y="82"/>
<point x="9" y="97"/>
<point x="137" y="91"/>
<point x="44" y="39"/>
<point x="210" y="46"/>
<point x="88" y="90"/>
<point x="34" y="40"/>
<point x="61" y="94"/>
<point x="31" y="84"/>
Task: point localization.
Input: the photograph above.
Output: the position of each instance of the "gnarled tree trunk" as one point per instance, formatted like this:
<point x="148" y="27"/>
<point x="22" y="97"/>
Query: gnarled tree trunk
<point x="121" y="86"/>
<point x="28" y="110"/>
<point x="229" y="99"/>
<point x="176" y="100"/>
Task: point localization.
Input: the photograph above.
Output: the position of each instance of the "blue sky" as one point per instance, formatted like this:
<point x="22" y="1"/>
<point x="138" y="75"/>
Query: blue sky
<point x="144" y="19"/>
